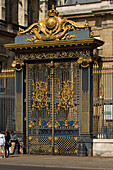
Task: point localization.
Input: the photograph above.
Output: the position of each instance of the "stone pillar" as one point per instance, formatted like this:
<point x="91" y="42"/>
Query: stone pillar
<point x="18" y="65"/>
<point x="86" y="101"/>
<point x="2" y="10"/>
<point x="43" y="9"/>
<point x="60" y="2"/>
<point x="19" y="101"/>
<point x="23" y="13"/>
<point x="86" y="105"/>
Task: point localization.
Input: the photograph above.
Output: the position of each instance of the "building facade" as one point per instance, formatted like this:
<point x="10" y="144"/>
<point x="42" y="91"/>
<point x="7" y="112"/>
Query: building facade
<point x="98" y="13"/>
<point x="13" y="15"/>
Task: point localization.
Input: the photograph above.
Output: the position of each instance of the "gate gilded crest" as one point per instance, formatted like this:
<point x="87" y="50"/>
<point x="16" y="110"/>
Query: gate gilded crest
<point x="39" y="95"/>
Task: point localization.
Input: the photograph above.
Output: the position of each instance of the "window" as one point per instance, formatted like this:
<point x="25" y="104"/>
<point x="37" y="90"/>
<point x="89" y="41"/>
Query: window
<point x="108" y="112"/>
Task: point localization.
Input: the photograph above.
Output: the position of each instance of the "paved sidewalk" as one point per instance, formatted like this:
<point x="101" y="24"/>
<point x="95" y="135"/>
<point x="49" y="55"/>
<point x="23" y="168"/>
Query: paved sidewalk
<point x="71" y="162"/>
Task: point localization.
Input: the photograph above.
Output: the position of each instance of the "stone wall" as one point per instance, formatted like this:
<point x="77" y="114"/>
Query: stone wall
<point x="103" y="147"/>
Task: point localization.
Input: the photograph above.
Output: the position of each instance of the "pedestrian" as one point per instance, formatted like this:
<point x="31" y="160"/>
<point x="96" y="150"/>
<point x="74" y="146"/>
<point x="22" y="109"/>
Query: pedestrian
<point x="13" y="143"/>
<point x="2" y="145"/>
<point x="7" y="143"/>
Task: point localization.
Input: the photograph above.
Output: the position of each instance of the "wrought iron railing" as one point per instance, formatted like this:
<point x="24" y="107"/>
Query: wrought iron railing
<point x="7" y="100"/>
<point x="103" y="102"/>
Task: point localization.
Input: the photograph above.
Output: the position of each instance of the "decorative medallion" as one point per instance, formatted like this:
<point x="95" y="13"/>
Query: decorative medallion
<point x="85" y="60"/>
<point x="18" y="64"/>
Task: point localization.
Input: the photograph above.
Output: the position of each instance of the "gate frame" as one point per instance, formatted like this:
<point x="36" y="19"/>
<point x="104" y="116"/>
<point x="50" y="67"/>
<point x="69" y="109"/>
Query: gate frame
<point x="61" y="39"/>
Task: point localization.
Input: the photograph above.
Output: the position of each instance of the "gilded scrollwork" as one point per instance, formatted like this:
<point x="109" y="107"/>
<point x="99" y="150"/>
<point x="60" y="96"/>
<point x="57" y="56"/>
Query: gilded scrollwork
<point x="69" y="36"/>
<point x="50" y="55"/>
<point x="49" y="124"/>
<point x="18" y="64"/>
<point x="39" y="95"/>
<point x="32" y="39"/>
<point x="66" y="95"/>
<point x="75" y="125"/>
<point x="57" y="124"/>
<point x="53" y="27"/>
<point x="92" y="34"/>
<point x="85" y="59"/>
<point x="31" y="124"/>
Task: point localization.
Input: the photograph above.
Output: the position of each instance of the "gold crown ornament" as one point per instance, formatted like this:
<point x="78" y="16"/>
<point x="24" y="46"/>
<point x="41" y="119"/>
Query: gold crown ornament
<point x="52" y="12"/>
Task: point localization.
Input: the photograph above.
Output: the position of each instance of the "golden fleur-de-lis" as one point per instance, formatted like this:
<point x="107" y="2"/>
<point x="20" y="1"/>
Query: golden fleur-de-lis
<point x="39" y="123"/>
<point x="66" y="123"/>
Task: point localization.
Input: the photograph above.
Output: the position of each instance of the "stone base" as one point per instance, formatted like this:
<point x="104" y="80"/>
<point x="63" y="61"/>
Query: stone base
<point x="88" y="144"/>
<point x="103" y="147"/>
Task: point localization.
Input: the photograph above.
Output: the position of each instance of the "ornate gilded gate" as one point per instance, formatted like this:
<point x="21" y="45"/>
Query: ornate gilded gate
<point x="55" y="58"/>
<point x="53" y="102"/>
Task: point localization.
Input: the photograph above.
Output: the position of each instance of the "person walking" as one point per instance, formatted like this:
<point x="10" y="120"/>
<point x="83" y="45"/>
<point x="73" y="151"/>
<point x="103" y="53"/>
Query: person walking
<point x="2" y="145"/>
<point x="13" y="143"/>
<point x="7" y="143"/>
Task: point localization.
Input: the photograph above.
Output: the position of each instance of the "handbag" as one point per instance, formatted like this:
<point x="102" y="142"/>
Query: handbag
<point x="9" y="144"/>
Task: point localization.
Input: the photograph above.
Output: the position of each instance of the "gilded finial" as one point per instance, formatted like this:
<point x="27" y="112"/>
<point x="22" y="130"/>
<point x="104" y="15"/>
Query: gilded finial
<point x="53" y="7"/>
